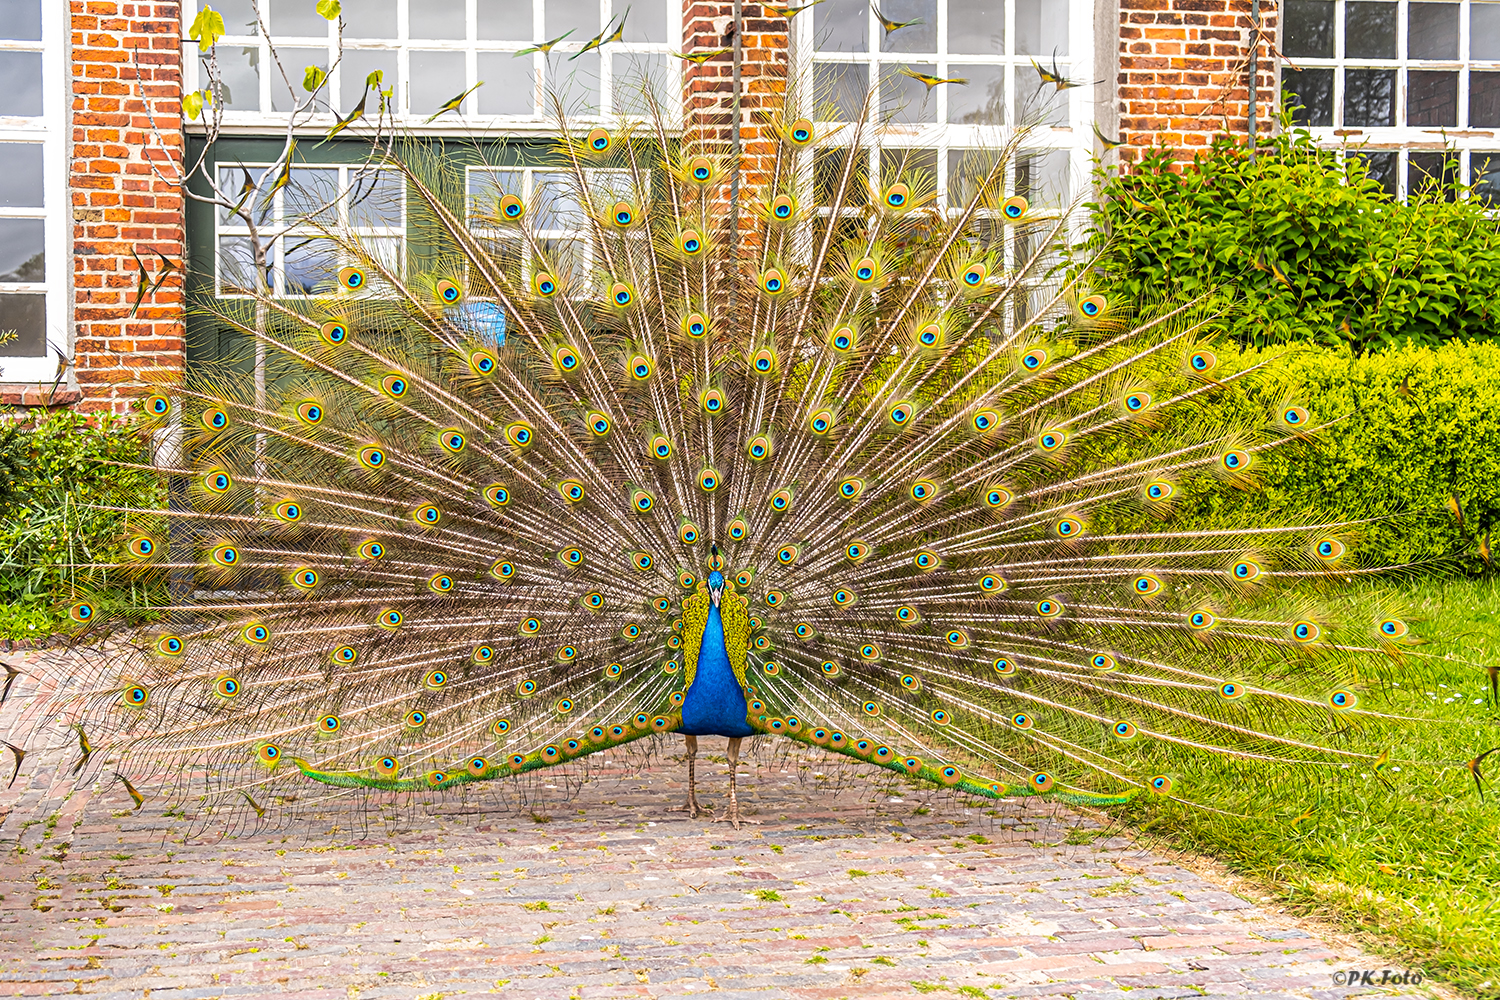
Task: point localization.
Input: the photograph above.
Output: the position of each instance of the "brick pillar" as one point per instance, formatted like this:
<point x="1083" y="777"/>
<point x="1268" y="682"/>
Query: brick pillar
<point x="707" y="89"/>
<point x="1184" y="73"/>
<point x="126" y="158"/>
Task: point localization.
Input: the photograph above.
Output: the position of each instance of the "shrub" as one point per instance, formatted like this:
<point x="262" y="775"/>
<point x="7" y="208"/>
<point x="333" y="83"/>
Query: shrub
<point x="1296" y="246"/>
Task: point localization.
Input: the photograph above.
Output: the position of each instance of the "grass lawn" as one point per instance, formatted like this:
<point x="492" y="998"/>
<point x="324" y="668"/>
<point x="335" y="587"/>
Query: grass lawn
<point x="1411" y="865"/>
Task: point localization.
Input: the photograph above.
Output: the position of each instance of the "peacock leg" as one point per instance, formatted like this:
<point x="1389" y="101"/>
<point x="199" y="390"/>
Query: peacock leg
<point x="691" y="808"/>
<point x="734" y="802"/>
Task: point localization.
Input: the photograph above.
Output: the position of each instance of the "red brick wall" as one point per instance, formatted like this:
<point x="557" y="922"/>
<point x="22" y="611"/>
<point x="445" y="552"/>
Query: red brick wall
<point x="126" y="59"/>
<point x="1184" y="73"/>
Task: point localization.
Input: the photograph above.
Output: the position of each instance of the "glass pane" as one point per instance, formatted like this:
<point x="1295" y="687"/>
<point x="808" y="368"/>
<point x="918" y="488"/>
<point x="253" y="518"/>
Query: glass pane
<point x="358" y="64"/>
<point x="504" y="20"/>
<point x="237" y="265"/>
<point x="581" y="16"/>
<point x="237" y="181"/>
<point x="25" y="315"/>
<point x="239" y="15"/>
<point x="635" y="72"/>
<point x="438" y="20"/>
<point x="917" y="168"/>
<point x="1309" y="28"/>
<point x="21" y="180"/>
<point x="1432" y="31"/>
<point x="828" y="170"/>
<point x="1426" y="171"/>
<point x="436" y="78"/>
<point x="903" y="99"/>
<point x="555" y="203"/>
<point x="571" y="260"/>
<point x="1484" y="100"/>
<point x="1042" y="178"/>
<point x="377" y="198"/>
<point x="21" y="251"/>
<point x="1369" y="30"/>
<point x="1484" y="30"/>
<point x="21" y="20"/>
<point x="509" y="84"/>
<point x="390" y="252"/>
<point x="239" y="76"/>
<point x="1042" y="27"/>
<point x="312" y="195"/>
<point x="982" y="100"/>
<point x="1309" y="93"/>
<point x="1382" y="168"/>
<point x="576" y="81"/>
<point x="300" y="18"/>
<point x="976" y="26"/>
<point x="293" y="62"/>
<point x="20" y="83"/>
<point x="1037" y="101"/>
<point x="1370" y="97"/>
<point x="310" y="265"/>
<point x="486" y="188"/>
<point x="967" y="169"/>
<point x="841" y="89"/>
<point x="1486" y="172"/>
<point x="919" y="37"/>
<point x="370" y="18"/>
<point x="1431" y="98"/>
<point x="647" y="21"/>
<point x="842" y="26"/>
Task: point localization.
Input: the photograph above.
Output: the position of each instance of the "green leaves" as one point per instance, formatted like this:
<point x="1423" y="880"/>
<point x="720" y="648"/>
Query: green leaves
<point x="207" y="28"/>
<point x="330" y="9"/>
<point x="312" y="78"/>
<point x="192" y="104"/>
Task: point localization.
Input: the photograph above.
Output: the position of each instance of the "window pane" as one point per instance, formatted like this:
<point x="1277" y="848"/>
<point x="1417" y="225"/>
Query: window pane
<point x="509" y="84"/>
<point x="556" y="203"/>
<point x="582" y="16"/>
<point x="310" y="265"/>
<point x="1370" y="97"/>
<point x="1432" y="31"/>
<point x="1382" y="168"/>
<point x="311" y="195"/>
<point x="1431" y="98"/>
<point x="300" y="18"/>
<point x="21" y="180"/>
<point x="376" y="198"/>
<point x="239" y="15"/>
<point x="917" y="168"/>
<point x="843" y="85"/>
<point x="370" y="18"/>
<point x="236" y="181"/>
<point x="436" y="77"/>
<point x="239" y="76"/>
<point x="1309" y="92"/>
<point x="237" y="265"/>
<point x="1486" y="171"/>
<point x="1042" y="27"/>
<point x="1484" y="100"/>
<point x="293" y="62"/>
<point x="920" y="37"/>
<point x="504" y="20"/>
<point x="903" y="99"/>
<point x="842" y="26"/>
<point x="358" y="64"/>
<point x="1369" y="30"/>
<point x="1042" y="178"/>
<point x="1484" y="30"/>
<point x="1309" y="28"/>
<point x="982" y="100"/>
<point x="1037" y="101"/>
<point x="25" y="315"/>
<point x="634" y="72"/>
<point x="21" y="20"/>
<point x="576" y="81"/>
<point x="828" y="169"/>
<point x="20" y="83"/>
<point x="1427" y="170"/>
<point x="647" y="21"/>
<point x="976" y="26"/>
<point x="967" y="169"/>
<point x="21" y="251"/>
<point x="438" y="20"/>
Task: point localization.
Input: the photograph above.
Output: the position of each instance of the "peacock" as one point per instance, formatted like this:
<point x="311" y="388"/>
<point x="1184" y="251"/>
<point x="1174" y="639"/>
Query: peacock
<point x="787" y="447"/>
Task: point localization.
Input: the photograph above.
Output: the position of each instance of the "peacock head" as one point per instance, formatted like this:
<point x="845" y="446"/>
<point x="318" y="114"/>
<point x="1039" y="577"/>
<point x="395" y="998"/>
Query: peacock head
<point x="715" y="576"/>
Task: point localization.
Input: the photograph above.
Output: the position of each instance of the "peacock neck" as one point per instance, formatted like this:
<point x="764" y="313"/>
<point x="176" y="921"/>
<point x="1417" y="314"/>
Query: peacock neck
<point x="715" y="703"/>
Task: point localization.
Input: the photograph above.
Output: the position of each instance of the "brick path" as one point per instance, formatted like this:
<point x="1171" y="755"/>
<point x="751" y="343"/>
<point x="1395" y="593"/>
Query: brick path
<point x="854" y="885"/>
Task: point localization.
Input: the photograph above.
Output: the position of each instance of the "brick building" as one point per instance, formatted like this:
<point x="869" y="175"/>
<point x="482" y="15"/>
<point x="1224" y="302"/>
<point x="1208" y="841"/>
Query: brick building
<point x="93" y="138"/>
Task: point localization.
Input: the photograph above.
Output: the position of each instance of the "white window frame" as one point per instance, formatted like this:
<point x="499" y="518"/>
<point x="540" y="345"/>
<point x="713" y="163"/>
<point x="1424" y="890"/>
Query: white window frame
<point x="342" y="94"/>
<point x="277" y="234"/>
<point x="47" y="130"/>
<point x="1460" y="140"/>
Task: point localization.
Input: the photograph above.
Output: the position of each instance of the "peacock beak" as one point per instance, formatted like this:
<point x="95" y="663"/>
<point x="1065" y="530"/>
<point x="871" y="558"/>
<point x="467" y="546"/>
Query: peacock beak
<point x="714" y="594"/>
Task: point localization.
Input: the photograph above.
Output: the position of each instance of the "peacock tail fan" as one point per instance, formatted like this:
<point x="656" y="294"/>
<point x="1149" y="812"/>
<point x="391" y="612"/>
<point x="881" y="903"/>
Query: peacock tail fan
<point x="975" y="522"/>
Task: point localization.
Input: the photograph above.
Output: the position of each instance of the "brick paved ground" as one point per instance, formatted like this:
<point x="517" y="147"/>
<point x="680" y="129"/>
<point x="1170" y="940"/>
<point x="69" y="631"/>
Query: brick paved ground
<point x="853" y="885"/>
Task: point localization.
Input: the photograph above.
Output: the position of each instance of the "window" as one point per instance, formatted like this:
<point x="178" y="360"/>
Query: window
<point x="294" y="223"/>
<point x="430" y="52"/>
<point x="1411" y="85"/>
<point x="33" y="198"/>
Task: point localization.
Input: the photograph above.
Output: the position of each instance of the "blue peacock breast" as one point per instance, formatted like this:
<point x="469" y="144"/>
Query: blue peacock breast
<point x="715" y="703"/>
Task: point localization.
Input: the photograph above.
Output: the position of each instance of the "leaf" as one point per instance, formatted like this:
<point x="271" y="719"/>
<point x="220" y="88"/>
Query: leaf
<point x="207" y="28"/>
<point x="312" y="78"/>
<point x="330" y="9"/>
<point x="373" y="80"/>
<point x="192" y="104"/>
